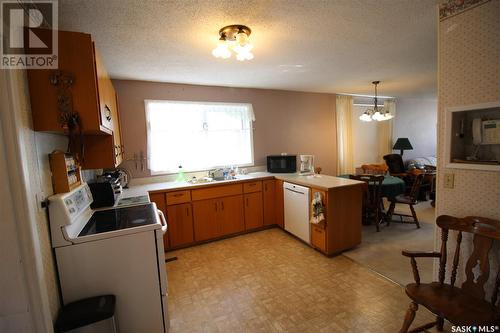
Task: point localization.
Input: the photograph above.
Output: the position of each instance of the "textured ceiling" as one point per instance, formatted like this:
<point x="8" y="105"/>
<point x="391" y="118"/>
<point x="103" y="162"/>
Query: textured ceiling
<point x="307" y="45"/>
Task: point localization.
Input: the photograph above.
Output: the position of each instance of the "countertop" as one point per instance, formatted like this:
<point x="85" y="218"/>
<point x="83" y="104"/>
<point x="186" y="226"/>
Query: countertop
<point x="323" y="182"/>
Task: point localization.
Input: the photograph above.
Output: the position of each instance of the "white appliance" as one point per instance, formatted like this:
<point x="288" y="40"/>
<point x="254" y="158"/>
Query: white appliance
<point x="115" y="251"/>
<point x="297" y="210"/>
<point x="486" y="132"/>
<point x="306" y="165"/>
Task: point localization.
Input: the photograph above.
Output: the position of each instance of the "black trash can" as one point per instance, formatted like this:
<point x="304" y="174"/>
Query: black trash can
<point x="94" y="314"/>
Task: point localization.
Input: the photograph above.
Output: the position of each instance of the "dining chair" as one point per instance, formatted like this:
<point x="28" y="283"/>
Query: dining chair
<point x="409" y="199"/>
<point x="372" y="201"/>
<point x="464" y="306"/>
<point x="374" y="169"/>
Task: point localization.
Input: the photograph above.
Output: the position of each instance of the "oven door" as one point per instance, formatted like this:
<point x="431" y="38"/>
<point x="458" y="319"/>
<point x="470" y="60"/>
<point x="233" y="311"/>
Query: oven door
<point x="162" y="270"/>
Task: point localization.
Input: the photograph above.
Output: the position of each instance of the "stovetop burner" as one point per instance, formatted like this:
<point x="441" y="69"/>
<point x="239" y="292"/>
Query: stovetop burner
<point x="120" y="218"/>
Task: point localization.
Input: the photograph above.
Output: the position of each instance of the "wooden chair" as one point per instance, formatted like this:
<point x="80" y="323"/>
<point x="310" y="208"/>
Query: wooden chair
<point x="372" y="208"/>
<point x="409" y="199"/>
<point x="465" y="305"/>
<point x="374" y="169"/>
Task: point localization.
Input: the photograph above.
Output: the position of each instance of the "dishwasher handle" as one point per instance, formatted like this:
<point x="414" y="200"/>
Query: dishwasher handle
<point x="295" y="191"/>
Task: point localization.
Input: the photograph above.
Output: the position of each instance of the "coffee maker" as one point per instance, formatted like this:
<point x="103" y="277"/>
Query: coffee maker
<point x="306" y="165"/>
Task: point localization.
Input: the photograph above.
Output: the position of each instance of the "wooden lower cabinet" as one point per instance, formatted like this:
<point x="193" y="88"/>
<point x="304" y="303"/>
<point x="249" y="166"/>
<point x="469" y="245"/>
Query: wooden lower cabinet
<point x="159" y="200"/>
<point x="205" y="217"/>
<point x="253" y="210"/>
<point x="180" y="224"/>
<point x="231" y="215"/>
<point x="269" y="202"/>
<point x="318" y="237"/>
<point x="279" y="203"/>
<point x="218" y="217"/>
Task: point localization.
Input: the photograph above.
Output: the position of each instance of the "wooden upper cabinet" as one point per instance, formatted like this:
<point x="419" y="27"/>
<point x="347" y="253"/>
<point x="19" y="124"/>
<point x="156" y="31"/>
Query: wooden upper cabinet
<point x="253" y="210"/>
<point x="269" y="195"/>
<point x="77" y="58"/>
<point x="107" y="99"/>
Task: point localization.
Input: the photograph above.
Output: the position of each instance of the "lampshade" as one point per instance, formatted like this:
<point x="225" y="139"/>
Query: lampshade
<point x="402" y="144"/>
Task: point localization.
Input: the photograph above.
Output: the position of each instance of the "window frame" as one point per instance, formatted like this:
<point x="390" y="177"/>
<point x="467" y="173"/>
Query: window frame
<point x="148" y="136"/>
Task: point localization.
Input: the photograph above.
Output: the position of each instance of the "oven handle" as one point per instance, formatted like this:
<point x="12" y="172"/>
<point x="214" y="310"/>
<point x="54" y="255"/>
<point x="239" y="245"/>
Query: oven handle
<point x="163" y="221"/>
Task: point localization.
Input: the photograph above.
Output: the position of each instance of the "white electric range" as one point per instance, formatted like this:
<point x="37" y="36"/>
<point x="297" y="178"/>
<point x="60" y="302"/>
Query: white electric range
<point x="115" y="251"/>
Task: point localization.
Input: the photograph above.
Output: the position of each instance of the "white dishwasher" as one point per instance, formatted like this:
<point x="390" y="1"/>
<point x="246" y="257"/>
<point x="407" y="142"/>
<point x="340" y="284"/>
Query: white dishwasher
<point x="297" y="210"/>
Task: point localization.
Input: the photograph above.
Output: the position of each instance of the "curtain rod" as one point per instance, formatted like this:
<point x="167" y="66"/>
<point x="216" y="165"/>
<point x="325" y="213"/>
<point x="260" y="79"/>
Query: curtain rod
<point x="368" y="96"/>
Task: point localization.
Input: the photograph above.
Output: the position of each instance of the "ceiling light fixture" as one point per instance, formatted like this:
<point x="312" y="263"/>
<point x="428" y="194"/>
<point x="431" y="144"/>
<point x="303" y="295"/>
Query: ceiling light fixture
<point x="234" y="37"/>
<point x="376" y="113"/>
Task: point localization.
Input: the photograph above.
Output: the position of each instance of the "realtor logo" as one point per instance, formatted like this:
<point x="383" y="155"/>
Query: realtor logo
<point x="29" y="34"/>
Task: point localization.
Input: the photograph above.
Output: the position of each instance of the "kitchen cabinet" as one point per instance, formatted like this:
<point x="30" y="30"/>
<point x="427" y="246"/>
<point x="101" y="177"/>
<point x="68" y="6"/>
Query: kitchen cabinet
<point x="269" y="202"/>
<point x="77" y="58"/>
<point x="279" y="203"/>
<point x="205" y="215"/>
<point x="159" y="200"/>
<point x="231" y="215"/>
<point x="318" y="232"/>
<point x="218" y="217"/>
<point x="253" y="210"/>
<point x="92" y="95"/>
<point x="180" y="224"/>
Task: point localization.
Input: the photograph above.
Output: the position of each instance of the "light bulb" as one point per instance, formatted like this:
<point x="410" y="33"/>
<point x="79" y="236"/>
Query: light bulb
<point x="365" y="117"/>
<point x="241" y="38"/>
<point x="222" y="50"/>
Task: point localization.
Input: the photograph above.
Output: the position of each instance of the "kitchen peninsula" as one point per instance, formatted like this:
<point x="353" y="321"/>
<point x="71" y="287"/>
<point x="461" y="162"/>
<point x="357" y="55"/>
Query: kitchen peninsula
<point x="198" y="213"/>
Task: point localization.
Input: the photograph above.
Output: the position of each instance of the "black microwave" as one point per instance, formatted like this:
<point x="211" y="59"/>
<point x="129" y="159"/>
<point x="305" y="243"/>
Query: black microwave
<point x="282" y="163"/>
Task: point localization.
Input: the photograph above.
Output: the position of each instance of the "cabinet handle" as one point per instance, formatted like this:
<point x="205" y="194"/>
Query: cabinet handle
<point x="117" y="150"/>
<point x="187" y="211"/>
<point x="215" y="206"/>
<point x="178" y="195"/>
<point x="222" y="204"/>
<point x="247" y="202"/>
<point x="108" y="112"/>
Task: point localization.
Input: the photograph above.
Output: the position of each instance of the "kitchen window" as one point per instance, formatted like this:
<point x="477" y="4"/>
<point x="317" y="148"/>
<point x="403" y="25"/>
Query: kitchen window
<point x="198" y="135"/>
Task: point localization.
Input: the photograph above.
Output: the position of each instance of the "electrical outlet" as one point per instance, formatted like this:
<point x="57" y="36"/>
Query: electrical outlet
<point x="449" y="180"/>
<point x="40" y="198"/>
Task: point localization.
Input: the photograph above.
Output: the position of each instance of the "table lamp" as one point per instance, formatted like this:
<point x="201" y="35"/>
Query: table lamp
<point x="402" y="144"/>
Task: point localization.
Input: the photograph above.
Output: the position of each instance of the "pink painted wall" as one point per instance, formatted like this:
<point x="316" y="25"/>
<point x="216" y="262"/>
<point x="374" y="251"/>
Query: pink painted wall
<point x="286" y="121"/>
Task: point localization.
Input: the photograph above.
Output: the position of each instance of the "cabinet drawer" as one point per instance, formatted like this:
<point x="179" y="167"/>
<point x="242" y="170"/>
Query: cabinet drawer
<point x="178" y="197"/>
<point x="216" y="192"/>
<point x="252" y="187"/>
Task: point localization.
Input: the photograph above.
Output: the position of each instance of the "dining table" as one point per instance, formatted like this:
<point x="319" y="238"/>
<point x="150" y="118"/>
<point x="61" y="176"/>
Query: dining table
<point x="391" y="186"/>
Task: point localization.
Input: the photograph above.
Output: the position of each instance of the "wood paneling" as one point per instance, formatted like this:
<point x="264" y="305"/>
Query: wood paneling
<point x="216" y="192"/>
<point x="252" y="187"/>
<point x="178" y="197"/>
<point x="253" y="210"/>
<point x="344" y="218"/>
<point x="159" y="200"/>
<point x="269" y="201"/>
<point x="180" y="224"/>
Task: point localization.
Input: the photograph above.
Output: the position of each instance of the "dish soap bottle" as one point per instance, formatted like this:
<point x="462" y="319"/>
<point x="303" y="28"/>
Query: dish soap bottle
<point x="180" y="175"/>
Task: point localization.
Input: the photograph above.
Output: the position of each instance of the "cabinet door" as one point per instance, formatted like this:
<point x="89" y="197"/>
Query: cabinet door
<point x="159" y="200"/>
<point x="180" y="223"/>
<point x="280" y="213"/>
<point x="231" y="214"/>
<point x="269" y="195"/>
<point x="253" y="210"/>
<point x="205" y="214"/>
<point x="117" y="134"/>
<point x="106" y="96"/>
